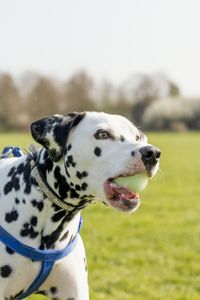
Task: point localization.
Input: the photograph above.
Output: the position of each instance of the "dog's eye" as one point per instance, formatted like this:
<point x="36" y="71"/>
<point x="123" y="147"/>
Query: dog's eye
<point x="137" y="138"/>
<point x="102" y="135"/>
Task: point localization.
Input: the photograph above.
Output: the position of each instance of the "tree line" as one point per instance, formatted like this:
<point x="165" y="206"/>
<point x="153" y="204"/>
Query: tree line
<point x="153" y="102"/>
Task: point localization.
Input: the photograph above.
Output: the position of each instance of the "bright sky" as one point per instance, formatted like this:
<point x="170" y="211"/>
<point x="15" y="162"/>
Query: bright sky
<point x="111" y="39"/>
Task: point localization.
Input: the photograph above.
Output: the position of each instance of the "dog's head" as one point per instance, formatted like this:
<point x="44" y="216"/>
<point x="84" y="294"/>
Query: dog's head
<point x="98" y="148"/>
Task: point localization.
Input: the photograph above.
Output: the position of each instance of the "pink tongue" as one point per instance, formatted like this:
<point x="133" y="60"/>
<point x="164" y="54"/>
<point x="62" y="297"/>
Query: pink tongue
<point x="125" y="194"/>
<point x="121" y="192"/>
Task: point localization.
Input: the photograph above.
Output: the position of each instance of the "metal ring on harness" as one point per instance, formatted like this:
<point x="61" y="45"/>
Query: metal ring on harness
<point x="47" y="257"/>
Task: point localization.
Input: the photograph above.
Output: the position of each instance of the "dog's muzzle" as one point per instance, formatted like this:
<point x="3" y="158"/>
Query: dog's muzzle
<point x="121" y="197"/>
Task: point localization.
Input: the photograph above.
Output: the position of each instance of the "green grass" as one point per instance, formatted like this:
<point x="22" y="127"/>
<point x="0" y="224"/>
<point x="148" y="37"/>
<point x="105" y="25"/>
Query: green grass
<point x="154" y="253"/>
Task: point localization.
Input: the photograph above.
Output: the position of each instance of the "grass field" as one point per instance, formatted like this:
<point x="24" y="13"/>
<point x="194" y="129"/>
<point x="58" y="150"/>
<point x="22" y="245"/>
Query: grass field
<point x="154" y="253"/>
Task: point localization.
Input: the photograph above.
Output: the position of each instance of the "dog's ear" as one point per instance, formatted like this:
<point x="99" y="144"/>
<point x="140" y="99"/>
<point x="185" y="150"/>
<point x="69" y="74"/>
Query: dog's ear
<point x="52" y="132"/>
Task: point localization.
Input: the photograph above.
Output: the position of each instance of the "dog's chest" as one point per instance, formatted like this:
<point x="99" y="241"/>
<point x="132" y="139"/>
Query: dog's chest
<point x="26" y="213"/>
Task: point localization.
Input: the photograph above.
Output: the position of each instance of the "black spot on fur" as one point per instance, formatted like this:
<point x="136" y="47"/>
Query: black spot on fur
<point x="68" y="175"/>
<point x="70" y="161"/>
<point x="43" y="170"/>
<point x="97" y="151"/>
<point x="11" y="216"/>
<point x="9" y="250"/>
<point x="77" y="117"/>
<point x="28" y="229"/>
<point x="34" y="221"/>
<point x="58" y="216"/>
<point x="53" y="290"/>
<point x="60" y="133"/>
<point x="49" y="164"/>
<point x="17" y="201"/>
<point x="73" y="194"/>
<point x="65" y="235"/>
<point x="40" y="206"/>
<point x="11" y="172"/>
<point x="15" y="183"/>
<point x="87" y="198"/>
<point x="54" y="154"/>
<point x="34" y="203"/>
<point x="15" y="173"/>
<point x="61" y="183"/>
<point x="15" y="296"/>
<point x="37" y="204"/>
<point x="5" y="271"/>
<point x="133" y="153"/>
<point x="81" y="175"/>
<point x="77" y="187"/>
<point x="84" y="186"/>
<point x="122" y="138"/>
<point x="27" y="178"/>
<point x="20" y="168"/>
<point x="8" y="188"/>
<point x="48" y="241"/>
<point x="69" y="147"/>
<point x="82" y="203"/>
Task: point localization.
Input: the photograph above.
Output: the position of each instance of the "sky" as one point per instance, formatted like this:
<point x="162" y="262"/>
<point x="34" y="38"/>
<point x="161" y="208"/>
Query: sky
<point x="111" y="39"/>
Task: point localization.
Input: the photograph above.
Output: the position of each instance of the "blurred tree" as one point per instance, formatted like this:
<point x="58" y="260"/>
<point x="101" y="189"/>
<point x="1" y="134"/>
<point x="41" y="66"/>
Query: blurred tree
<point x="36" y="96"/>
<point x="174" y="90"/>
<point x="113" y="100"/>
<point x="77" y="93"/>
<point x="143" y="93"/>
<point x="123" y="106"/>
<point x="107" y="97"/>
<point x="43" y="99"/>
<point x="27" y="81"/>
<point x="143" y="90"/>
<point x="10" y="103"/>
<point x="173" y="114"/>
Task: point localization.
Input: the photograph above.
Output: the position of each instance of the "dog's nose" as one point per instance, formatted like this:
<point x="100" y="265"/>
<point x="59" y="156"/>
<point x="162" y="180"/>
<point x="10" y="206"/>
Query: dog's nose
<point x="150" y="155"/>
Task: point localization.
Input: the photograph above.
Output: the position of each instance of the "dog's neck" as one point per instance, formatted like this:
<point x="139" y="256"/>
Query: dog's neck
<point x="57" y="175"/>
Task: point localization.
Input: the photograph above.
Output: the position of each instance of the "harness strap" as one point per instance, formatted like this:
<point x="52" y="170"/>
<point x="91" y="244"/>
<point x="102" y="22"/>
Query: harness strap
<point x="47" y="257"/>
<point x="34" y="253"/>
<point x="15" y="151"/>
<point x="45" y="270"/>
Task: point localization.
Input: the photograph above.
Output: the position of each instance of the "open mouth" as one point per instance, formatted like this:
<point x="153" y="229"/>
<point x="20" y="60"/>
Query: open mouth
<point x="121" y="197"/>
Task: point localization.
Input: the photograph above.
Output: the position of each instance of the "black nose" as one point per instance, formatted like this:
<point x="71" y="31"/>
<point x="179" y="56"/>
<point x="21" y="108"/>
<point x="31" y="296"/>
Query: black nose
<point x="150" y="155"/>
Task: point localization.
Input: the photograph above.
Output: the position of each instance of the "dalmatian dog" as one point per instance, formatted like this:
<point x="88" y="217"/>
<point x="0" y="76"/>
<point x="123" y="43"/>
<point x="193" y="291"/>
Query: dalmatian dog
<point x="81" y="155"/>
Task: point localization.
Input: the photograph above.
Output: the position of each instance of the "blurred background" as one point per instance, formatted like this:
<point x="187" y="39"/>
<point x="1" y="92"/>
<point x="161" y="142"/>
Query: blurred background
<point x="134" y="57"/>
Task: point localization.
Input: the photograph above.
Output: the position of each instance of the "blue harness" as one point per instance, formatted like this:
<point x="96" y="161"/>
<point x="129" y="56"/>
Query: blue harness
<point x="47" y="257"/>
